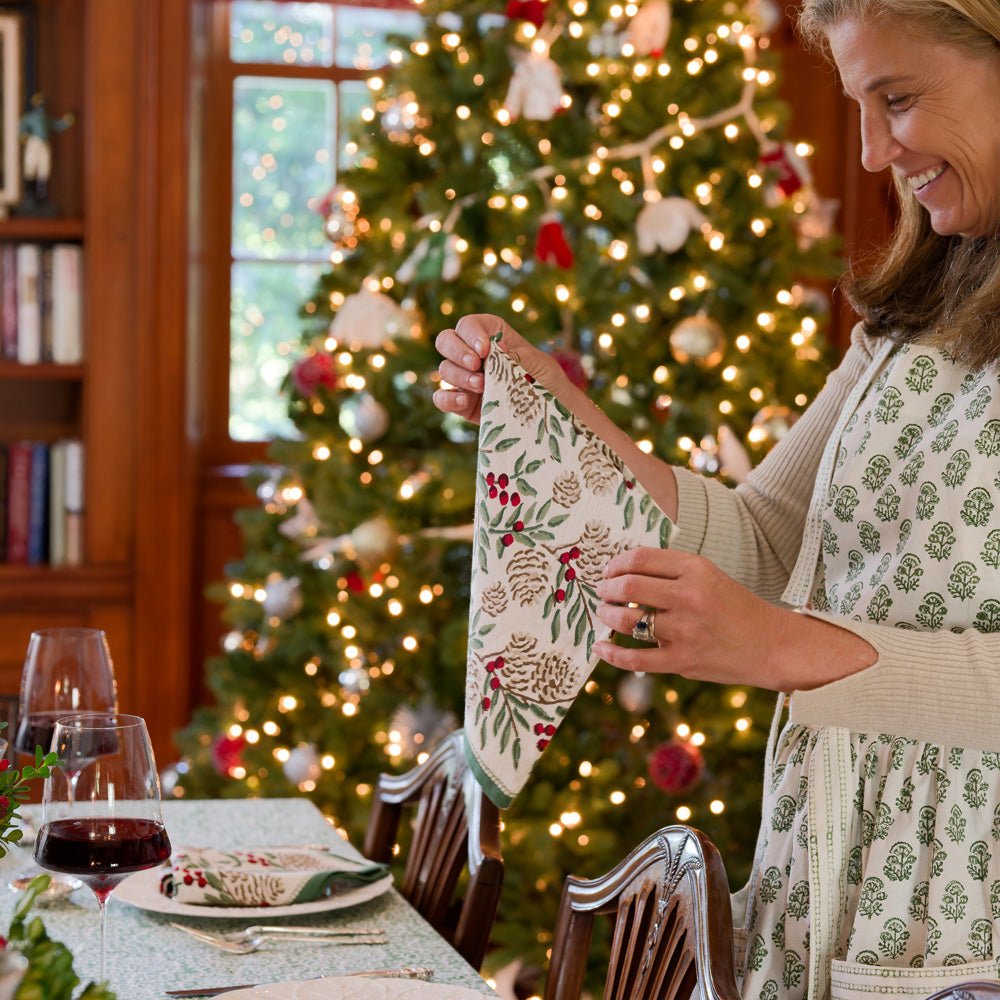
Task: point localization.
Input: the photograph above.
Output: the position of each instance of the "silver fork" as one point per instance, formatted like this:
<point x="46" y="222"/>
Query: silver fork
<point x="250" y="940"/>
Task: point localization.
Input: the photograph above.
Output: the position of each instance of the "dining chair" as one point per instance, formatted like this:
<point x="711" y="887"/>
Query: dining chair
<point x="672" y="924"/>
<point x="972" y="990"/>
<point x="455" y="829"/>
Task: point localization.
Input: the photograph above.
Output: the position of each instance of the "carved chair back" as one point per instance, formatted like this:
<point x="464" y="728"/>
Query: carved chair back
<point x="672" y="924"/>
<point x="455" y="829"/>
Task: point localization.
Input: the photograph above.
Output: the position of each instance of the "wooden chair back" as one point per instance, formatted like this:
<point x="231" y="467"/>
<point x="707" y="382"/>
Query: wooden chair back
<point x="455" y="829"/>
<point x="972" y="990"/>
<point x="673" y="927"/>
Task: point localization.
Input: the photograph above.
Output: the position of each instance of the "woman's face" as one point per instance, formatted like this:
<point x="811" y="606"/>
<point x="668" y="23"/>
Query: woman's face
<point x="931" y="111"/>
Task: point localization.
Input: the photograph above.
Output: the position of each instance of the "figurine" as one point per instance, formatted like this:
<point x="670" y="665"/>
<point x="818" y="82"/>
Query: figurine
<point x="36" y="129"/>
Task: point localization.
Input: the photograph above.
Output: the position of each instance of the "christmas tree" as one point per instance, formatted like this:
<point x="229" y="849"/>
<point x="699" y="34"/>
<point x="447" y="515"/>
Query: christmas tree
<point x="614" y="180"/>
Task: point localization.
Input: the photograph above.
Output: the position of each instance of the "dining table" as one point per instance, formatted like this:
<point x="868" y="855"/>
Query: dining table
<point x="147" y="956"/>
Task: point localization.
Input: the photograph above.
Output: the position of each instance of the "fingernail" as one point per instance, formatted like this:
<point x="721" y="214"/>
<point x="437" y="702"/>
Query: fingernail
<point x="478" y="345"/>
<point x="469" y="360"/>
<point x="461" y="399"/>
<point x="477" y="381"/>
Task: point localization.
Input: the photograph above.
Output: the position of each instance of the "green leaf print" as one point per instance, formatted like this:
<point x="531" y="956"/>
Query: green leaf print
<point x="770" y="885"/>
<point x="963" y="581"/>
<point x="927" y="501"/>
<point x="912" y="469"/>
<point x="940" y="408"/>
<point x="940" y="541"/>
<point x="956" y="825"/>
<point x="872" y="898"/>
<point x="981" y="939"/>
<point x="991" y="760"/>
<point x="957" y="469"/>
<point x="880" y="605"/>
<point x="769" y="990"/>
<point x="830" y="544"/>
<point x="954" y="901"/>
<point x="995" y="899"/>
<point x="907" y="440"/>
<point x="938" y="858"/>
<point x="850" y="599"/>
<point x="932" y="936"/>
<point x="905" y="528"/>
<point x="977" y="508"/>
<point x="917" y="909"/>
<point x="899" y="862"/>
<point x="867" y="957"/>
<point x="977" y="789"/>
<point x="908" y="573"/>
<point x="778" y="934"/>
<point x="876" y="473"/>
<point x="868" y="535"/>
<point x="855" y="564"/>
<point x="977" y="407"/>
<point x="945" y="437"/>
<point x="904" y="801"/>
<point x="988" y="441"/>
<point x="887" y="505"/>
<point x="923" y="371"/>
<point x="893" y="939"/>
<point x="995" y="832"/>
<point x="978" y="865"/>
<point x="854" y="866"/>
<point x="756" y="954"/>
<point x="794" y="968"/>
<point x="846" y="503"/>
<point x="797" y="905"/>
<point x="783" y="814"/>
<point x="888" y="407"/>
<point x="991" y="550"/>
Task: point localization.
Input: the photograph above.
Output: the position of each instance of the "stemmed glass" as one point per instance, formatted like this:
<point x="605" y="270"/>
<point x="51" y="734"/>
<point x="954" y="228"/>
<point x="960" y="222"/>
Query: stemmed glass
<point x="101" y="815"/>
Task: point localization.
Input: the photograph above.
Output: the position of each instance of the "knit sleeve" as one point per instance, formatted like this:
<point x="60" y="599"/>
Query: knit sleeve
<point x="754" y="532"/>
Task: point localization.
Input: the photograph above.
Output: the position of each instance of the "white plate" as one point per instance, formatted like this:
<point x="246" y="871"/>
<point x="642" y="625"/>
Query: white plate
<point x="356" y="988"/>
<point x="143" y="890"/>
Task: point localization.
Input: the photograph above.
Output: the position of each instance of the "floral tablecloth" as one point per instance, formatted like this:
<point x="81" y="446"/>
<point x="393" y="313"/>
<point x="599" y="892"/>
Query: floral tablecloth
<point x="146" y="956"/>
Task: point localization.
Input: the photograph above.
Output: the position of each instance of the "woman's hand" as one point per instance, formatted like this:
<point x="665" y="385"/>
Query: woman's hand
<point x="464" y="350"/>
<point x="708" y="627"/>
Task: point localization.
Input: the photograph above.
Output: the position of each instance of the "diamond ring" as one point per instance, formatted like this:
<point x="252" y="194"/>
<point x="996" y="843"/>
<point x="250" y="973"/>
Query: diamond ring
<point x="644" y="630"/>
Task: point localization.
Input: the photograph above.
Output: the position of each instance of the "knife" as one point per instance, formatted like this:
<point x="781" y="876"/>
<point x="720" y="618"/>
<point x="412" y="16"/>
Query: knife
<point x="410" y="972"/>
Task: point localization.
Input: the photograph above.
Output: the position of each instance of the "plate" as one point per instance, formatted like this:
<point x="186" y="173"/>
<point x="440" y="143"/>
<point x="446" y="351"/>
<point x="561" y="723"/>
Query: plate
<point x="143" y="891"/>
<point x="356" y="988"/>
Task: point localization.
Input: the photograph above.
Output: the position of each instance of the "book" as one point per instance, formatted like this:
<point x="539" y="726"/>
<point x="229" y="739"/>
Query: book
<point x="19" y="455"/>
<point x="74" y="503"/>
<point x="3" y="503"/>
<point x="29" y="314"/>
<point x="57" y="503"/>
<point x="38" y="509"/>
<point x="8" y="301"/>
<point x="67" y="303"/>
<point x="45" y="301"/>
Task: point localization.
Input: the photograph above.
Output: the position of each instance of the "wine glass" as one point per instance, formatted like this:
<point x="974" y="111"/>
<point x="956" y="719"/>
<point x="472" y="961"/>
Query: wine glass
<point x="101" y="815"/>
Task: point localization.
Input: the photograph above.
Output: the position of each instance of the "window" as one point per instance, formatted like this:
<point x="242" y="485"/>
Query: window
<point x="285" y="81"/>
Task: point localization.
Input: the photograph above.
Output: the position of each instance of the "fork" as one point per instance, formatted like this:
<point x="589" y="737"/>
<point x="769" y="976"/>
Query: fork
<point x="250" y="940"/>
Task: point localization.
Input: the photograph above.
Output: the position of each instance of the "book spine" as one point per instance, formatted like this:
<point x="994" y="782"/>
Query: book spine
<point x="8" y="300"/>
<point x="67" y="304"/>
<point x="18" y="501"/>
<point x="57" y="504"/>
<point x="45" y="292"/>
<point x="38" y="514"/>
<point x="3" y="503"/>
<point x="29" y="316"/>
<point x="74" y="503"/>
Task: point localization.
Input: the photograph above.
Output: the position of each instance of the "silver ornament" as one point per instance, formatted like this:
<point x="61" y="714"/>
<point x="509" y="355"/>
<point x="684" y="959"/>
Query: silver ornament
<point x="302" y="764"/>
<point x="698" y="339"/>
<point x="354" y="680"/>
<point x="283" y="597"/>
<point x="364" y="417"/>
<point x="418" y="729"/>
<point x="635" y="692"/>
<point x="374" y="541"/>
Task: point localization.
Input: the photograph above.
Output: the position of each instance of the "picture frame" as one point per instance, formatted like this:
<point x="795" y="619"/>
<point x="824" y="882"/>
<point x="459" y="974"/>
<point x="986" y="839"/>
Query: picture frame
<point x="12" y="84"/>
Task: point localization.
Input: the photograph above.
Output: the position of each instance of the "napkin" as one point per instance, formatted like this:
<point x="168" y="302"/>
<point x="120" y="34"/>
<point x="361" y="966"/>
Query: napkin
<point x="267" y="876"/>
<point x="553" y="504"/>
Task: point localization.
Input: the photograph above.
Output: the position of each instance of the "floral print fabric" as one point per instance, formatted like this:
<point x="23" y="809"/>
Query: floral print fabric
<point x="553" y="505"/>
<point x="909" y="540"/>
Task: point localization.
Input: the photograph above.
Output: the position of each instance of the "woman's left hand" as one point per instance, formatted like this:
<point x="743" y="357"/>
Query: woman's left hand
<point x="706" y="625"/>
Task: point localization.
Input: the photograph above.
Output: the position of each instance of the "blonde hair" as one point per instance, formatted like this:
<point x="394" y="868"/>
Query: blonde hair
<point x="945" y="289"/>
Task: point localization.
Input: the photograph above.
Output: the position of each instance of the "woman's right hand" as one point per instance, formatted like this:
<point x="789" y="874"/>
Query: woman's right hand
<point x="464" y="350"/>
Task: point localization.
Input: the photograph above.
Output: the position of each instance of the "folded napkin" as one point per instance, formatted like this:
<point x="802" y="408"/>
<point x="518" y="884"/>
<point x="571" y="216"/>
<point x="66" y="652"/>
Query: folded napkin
<point x="204" y="876"/>
<point x="553" y="504"/>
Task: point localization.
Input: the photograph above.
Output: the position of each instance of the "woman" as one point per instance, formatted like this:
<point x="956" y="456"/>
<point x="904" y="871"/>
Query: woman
<point x="878" y="860"/>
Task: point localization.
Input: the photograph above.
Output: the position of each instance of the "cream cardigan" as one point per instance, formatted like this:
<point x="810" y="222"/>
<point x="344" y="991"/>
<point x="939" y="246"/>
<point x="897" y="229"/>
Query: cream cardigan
<point x="757" y="534"/>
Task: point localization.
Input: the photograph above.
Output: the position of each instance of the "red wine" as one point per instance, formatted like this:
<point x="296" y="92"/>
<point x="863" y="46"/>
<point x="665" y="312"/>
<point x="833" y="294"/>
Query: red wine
<point x="101" y="852"/>
<point x="87" y="744"/>
<point x="35" y="731"/>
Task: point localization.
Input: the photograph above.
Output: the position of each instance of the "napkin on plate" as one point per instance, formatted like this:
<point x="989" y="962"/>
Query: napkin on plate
<point x="267" y="876"/>
<point x="553" y="504"/>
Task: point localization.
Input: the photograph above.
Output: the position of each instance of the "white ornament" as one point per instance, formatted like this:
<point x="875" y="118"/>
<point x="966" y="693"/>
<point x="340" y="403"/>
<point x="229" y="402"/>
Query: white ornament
<point x="665" y="224"/>
<point x="535" y="90"/>
<point x="635" y="692"/>
<point x="374" y="540"/>
<point x="368" y="319"/>
<point x="698" y="339"/>
<point x="363" y="417"/>
<point x="767" y="14"/>
<point x="420" y="728"/>
<point x="736" y="464"/>
<point x="649" y="29"/>
<point x="303" y="524"/>
<point x="302" y="764"/>
<point x="283" y="597"/>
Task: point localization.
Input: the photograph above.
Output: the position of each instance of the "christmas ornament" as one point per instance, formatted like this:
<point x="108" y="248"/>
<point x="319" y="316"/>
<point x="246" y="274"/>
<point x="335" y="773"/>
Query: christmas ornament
<point x="705" y="457"/>
<point x="788" y="171"/>
<point x="363" y="417"/>
<point x="649" y="29"/>
<point x="635" y="692"/>
<point x="339" y="209"/>
<point x="314" y="372"/>
<point x="666" y="223"/>
<point x="354" y="680"/>
<point x="676" y="767"/>
<point x="816" y="222"/>
<point x="767" y="14"/>
<point x="401" y="117"/>
<point x="283" y="597"/>
<point x="419" y="729"/>
<point x="368" y="319"/>
<point x="232" y="641"/>
<point x="227" y="754"/>
<point x="572" y="365"/>
<point x="302" y="764"/>
<point x="736" y="464"/>
<point x="535" y="90"/>
<point x="770" y="424"/>
<point x="699" y="339"/>
<point x="374" y="541"/>
<point x="435" y="258"/>
<point x="550" y="243"/>
<point x="527" y="10"/>
<point x="303" y="524"/>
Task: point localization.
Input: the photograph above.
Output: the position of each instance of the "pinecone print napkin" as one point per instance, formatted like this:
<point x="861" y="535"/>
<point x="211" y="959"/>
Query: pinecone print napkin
<point x="553" y="505"/>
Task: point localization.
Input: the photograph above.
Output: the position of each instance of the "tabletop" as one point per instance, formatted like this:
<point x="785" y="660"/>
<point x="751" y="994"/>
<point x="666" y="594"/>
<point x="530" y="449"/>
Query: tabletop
<point x="146" y="956"/>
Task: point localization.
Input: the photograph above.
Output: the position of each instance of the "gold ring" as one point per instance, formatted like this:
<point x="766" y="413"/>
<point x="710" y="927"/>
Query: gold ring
<point x="644" y="630"/>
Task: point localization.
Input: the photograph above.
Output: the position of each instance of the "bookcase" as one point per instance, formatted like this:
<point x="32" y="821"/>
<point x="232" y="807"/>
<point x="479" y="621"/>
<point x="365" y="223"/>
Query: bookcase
<point x="119" y="189"/>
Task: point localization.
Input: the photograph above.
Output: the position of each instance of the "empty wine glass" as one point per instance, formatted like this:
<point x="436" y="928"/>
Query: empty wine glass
<point x="106" y="822"/>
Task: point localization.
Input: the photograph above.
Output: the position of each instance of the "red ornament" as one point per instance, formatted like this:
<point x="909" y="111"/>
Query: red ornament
<point x="569" y="362"/>
<point x="355" y="583"/>
<point x="314" y="372"/>
<point x="527" y="10"/>
<point x="675" y="767"/>
<point x="550" y="243"/>
<point x="792" y="174"/>
<point x="227" y="754"/>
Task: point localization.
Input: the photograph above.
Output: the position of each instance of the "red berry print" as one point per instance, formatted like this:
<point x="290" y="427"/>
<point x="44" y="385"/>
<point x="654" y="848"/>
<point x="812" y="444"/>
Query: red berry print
<point x="515" y="499"/>
<point x="519" y="525"/>
<point x="550" y="730"/>
<point x="503" y="480"/>
<point x="490" y="479"/>
<point x="494" y="682"/>
<point x="629" y="484"/>
<point x="564" y="557"/>
<point x="530" y="379"/>
<point x="494" y="493"/>
<point x="560" y="594"/>
<point x="508" y="539"/>
<point x="571" y="574"/>
<point x="539" y="729"/>
<point x="486" y="702"/>
<point x="500" y="661"/>
<point x="503" y="498"/>
<point x="574" y="553"/>
<point x="491" y="666"/>
<point x="542" y="744"/>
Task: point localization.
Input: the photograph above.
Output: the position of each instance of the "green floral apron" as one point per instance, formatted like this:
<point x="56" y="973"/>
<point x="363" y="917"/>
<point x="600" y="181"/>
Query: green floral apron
<point x="908" y="539"/>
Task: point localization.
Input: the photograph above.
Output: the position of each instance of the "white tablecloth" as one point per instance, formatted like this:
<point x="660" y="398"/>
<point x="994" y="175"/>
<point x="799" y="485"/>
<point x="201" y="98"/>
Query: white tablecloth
<point x="147" y="956"/>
